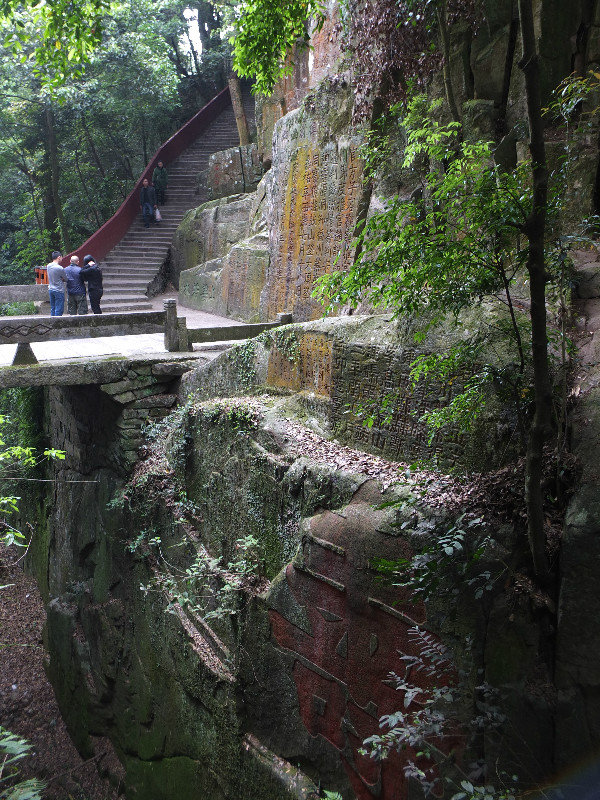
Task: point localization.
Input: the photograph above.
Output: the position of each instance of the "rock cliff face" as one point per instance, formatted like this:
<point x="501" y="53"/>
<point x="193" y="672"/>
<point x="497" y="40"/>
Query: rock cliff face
<point x="314" y="192"/>
<point x="303" y="217"/>
<point x="214" y="608"/>
<point x="261" y="672"/>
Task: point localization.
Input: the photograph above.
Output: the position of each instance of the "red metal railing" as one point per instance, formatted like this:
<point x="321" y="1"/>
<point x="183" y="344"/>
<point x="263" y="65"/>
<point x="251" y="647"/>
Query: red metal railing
<point x="111" y="233"/>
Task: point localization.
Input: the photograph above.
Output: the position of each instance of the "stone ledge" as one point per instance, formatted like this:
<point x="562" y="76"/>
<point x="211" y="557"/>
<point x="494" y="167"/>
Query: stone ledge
<point x="108" y="369"/>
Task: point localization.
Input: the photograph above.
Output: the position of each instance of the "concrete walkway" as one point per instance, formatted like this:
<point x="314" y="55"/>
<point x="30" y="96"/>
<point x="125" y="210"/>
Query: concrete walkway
<point x="73" y="349"/>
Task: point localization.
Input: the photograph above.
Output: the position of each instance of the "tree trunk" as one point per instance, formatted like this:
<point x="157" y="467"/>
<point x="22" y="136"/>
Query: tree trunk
<point x="445" y="42"/>
<point x="209" y="21"/>
<point x="53" y="211"/>
<point x="193" y="52"/>
<point x="90" y="202"/>
<point x="235" y="90"/>
<point x="144" y="142"/>
<point x="535" y="230"/>
<point x="92" y="146"/>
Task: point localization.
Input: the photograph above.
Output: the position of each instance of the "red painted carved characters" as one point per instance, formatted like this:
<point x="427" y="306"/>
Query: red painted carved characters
<point x="347" y="632"/>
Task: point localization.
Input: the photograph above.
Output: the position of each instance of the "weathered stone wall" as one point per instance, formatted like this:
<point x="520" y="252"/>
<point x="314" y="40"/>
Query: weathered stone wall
<point x="162" y="686"/>
<point x="286" y="96"/>
<point x="341" y="367"/>
<point x="209" y="232"/>
<point x="309" y="203"/>
<point x="230" y="280"/>
<point x="578" y="617"/>
<point x="309" y="68"/>
<point x="234" y="171"/>
<point x="202" y="704"/>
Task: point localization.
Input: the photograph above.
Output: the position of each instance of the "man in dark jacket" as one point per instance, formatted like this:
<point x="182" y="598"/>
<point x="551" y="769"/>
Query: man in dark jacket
<point x="147" y="202"/>
<point x="160" y="178"/>
<point x="92" y="274"/>
<point x="76" y="299"/>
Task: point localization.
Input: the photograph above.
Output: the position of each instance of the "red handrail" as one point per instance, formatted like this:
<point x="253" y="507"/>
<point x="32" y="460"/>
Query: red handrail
<point x="105" y="238"/>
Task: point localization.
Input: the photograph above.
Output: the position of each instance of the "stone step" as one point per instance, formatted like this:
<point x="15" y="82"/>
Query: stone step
<point x="146" y="239"/>
<point x="121" y="299"/>
<point x="136" y="254"/>
<point x="125" y="299"/>
<point x="112" y="287"/>
<point x="118" y="307"/>
<point x="127" y="284"/>
<point x="137" y="257"/>
<point x="126" y="270"/>
<point x="135" y="261"/>
<point x="131" y="273"/>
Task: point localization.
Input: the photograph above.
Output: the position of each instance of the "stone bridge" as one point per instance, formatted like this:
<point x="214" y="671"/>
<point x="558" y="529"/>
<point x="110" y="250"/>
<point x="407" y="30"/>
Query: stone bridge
<point x="177" y="338"/>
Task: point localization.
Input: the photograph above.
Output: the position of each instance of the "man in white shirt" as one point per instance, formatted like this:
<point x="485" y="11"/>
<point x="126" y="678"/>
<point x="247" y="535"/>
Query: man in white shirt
<point x="56" y="285"/>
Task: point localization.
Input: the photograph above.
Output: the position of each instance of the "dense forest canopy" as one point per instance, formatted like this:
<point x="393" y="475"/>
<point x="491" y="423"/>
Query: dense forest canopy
<point x="76" y="133"/>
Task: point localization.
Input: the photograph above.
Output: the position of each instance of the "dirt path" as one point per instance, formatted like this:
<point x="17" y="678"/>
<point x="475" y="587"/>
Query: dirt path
<point x="27" y="703"/>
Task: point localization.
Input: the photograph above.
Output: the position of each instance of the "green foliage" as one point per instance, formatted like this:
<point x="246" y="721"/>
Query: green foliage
<point x="469" y="791"/>
<point x="211" y="585"/>
<point x="244" y="364"/>
<point x="16" y="461"/>
<point x="265" y="35"/>
<point x="237" y="415"/>
<point x="570" y="94"/>
<point x="22" y="411"/>
<point x="18" y="309"/>
<point x="443" y="252"/>
<point x="67" y="33"/>
<point x="13" y="749"/>
<point x="140" y="83"/>
<point x="449" y="561"/>
<point x="285" y="339"/>
<point x="431" y="716"/>
<point x="31" y="248"/>
<point x="454" y="246"/>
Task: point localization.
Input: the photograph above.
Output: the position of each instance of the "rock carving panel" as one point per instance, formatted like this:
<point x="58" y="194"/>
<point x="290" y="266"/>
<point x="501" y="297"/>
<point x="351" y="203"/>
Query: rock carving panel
<point x="361" y="373"/>
<point x="314" y="201"/>
<point x="349" y="634"/>
<point x="310" y="371"/>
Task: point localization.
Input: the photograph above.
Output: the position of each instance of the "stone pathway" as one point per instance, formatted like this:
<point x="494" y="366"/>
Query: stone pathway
<point x="152" y="343"/>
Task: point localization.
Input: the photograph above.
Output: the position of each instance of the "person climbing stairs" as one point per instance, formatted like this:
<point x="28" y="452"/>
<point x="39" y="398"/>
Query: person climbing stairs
<point x="135" y="262"/>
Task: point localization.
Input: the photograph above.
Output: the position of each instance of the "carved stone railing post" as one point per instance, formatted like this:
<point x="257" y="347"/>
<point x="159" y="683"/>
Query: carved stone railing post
<point x="171" y="327"/>
<point x="24" y="355"/>
<point x="185" y="345"/>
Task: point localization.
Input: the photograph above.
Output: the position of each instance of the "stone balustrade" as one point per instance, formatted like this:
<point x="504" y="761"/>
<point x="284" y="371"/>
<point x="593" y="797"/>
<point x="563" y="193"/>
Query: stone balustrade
<point x="26" y="293"/>
<point x="234" y="332"/>
<point x="24" y="330"/>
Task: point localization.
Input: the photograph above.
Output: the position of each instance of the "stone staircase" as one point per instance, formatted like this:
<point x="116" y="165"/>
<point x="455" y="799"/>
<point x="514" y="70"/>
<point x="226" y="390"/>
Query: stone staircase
<point x="135" y="263"/>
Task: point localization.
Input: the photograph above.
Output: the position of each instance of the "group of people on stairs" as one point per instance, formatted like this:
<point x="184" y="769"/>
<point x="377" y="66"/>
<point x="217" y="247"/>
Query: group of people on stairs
<point x="154" y="194"/>
<point x="74" y="278"/>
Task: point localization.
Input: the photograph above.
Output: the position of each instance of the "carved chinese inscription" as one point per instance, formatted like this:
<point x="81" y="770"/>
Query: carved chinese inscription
<point x="316" y="193"/>
<point x="308" y="368"/>
<point x="363" y="374"/>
